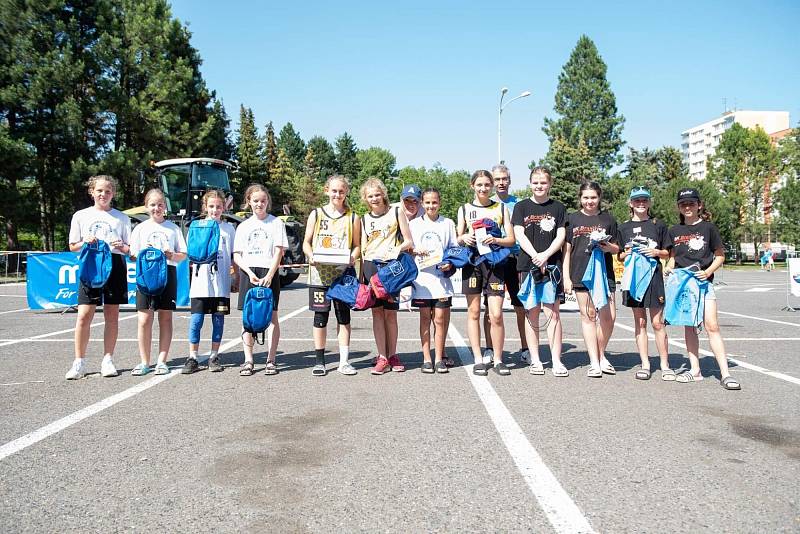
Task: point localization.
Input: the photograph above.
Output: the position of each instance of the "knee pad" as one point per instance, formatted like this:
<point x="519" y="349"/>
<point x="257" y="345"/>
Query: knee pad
<point x="321" y="319"/>
<point x="195" y="325"/>
<point x="218" y="324"/>
<point x="342" y="312"/>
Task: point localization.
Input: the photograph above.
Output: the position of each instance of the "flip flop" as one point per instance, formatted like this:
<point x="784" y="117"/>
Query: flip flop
<point x="643" y="374"/>
<point x="730" y="383"/>
<point x="684" y="377"/>
<point x="668" y="375"/>
<point x="560" y="371"/>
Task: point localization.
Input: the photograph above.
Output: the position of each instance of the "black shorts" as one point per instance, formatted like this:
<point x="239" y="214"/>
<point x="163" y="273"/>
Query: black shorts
<point x="654" y="297"/>
<point x="483" y="279"/>
<point x="114" y="292"/>
<point x="211" y="305"/>
<point x="245" y="285"/>
<point x="369" y="268"/>
<point x="444" y="302"/>
<point x="164" y="301"/>
<point x="512" y="280"/>
<point x="612" y="286"/>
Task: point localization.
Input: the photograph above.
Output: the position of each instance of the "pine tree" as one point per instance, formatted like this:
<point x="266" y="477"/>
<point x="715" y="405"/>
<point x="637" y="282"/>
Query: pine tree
<point x="569" y="167"/>
<point x="270" y="153"/>
<point x="586" y="107"/>
<point x="284" y="180"/>
<point x="248" y="152"/>
<point x="217" y="143"/>
<point x="290" y="142"/>
<point x="324" y="156"/>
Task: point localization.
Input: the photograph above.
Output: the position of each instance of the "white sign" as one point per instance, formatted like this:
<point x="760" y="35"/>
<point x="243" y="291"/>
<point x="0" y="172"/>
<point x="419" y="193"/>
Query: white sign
<point x="794" y="276"/>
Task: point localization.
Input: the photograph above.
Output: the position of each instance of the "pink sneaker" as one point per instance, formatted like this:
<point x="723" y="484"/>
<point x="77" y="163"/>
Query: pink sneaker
<point x="396" y="364"/>
<point x="381" y="366"/>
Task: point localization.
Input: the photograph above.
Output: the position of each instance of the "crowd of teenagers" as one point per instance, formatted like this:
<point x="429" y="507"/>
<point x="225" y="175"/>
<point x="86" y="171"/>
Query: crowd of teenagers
<point x="531" y="250"/>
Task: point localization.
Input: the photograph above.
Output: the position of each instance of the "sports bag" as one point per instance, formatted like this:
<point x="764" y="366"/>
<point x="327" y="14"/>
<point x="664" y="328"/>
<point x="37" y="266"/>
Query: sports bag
<point x="595" y="278"/>
<point x="151" y="271"/>
<point x="346" y="288"/>
<point x="456" y="256"/>
<point x="202" y="243"/>
<point x="394" y="276"/>
<point x="257" y="312"/>
<point x="499" y="253"/>
<point x="685" y="298"/>
<point x="94" y="264"/>
<point x="638" y="274"/>
<point x="532" y="292"/>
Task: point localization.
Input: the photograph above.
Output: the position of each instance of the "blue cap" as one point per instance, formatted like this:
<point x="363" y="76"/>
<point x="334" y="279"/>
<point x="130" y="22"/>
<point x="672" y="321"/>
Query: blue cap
<point x="411" y="191"/>
<point x="639" y="192"/>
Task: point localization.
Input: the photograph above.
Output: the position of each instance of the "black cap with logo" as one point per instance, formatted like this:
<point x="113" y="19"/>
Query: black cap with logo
<point x="689" y="193"/>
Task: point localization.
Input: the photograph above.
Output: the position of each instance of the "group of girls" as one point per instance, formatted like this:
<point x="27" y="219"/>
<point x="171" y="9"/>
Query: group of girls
<point x="557" y="244"/>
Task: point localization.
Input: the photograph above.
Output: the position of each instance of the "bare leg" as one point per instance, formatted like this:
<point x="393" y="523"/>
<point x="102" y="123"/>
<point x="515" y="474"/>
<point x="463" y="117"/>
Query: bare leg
<point x="715" y="337"/>
<point x="82" y="324"/>
<point x="164" y="334"/>
<point x="343" y="332"/>
<point x="640" y="333"/>
<point x="498" y="330"/>
<point x="692" y="348"/>
<point x="111" y="327"/>
<point x="275" y="337"/>
<point x="379" y="330"/>
<point x="486" y="329"/>
<point x="473" y="325"/>
<point x="605" y="326"/>
<point x="588" y="327"/>
<point x="441" y="321"/>
<point x="519" y="311"/>
<point x="425" y="333"/>
<point x="660" y="331"/>
<point x="320" y="337"/>
<point x="532" y="333"/>
<point x="247" y="345"/>
<point x="390" y="322"/>
<point x="145" y="335"/>
<point x="554" y="331"/>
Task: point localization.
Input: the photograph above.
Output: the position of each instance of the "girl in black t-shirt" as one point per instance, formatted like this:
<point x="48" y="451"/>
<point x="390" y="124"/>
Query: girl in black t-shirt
<point x="580" y="225"/>
<point x="650" y="238"/>
<point x="696" y="241"/>
<point x="539" y="228"/>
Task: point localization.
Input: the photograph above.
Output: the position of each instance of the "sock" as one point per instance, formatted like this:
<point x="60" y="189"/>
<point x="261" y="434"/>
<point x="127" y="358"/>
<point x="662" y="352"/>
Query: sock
<point x="107" y="357"/>
<point x="213" y="354"/>
<point x="319" y="355"/>
<point x="344" y="355"/>
<point x="193" y="354"/>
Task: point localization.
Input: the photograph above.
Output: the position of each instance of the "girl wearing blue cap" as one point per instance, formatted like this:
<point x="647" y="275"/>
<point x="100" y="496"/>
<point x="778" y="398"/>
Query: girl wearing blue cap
<point x="645" y="239"/>
<point x="696" y="242"/>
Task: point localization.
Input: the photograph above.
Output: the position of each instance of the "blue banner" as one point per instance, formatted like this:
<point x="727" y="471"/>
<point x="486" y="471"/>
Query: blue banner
<point x="53" y="280"/>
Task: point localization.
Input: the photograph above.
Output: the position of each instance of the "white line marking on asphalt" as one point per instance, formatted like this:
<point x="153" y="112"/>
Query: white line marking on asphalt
<point x="57" y="426"/>
<point x="563" y="514"/>
<point x="28" y="339"/>
<point x="15" y="311"/>
<point x="740" y="363"/>
<point x="17" y="296"/>
<point x="23" y="383"/>
<point x="758" y="290"/>
<point x="757" y="318"/>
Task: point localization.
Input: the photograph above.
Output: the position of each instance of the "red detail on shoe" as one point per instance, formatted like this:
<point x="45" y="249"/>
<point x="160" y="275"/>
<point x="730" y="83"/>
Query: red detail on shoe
<point x="381" y="366"/>
<point x="396" y="364"/>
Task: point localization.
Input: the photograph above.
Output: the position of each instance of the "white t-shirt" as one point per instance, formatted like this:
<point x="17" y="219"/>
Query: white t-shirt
<point x="218" y="284"/>
<point x="163" y="236"/>
<point x="258" y="240"/>
<point x="106" y="226"/>
<point x="427" y="234"/>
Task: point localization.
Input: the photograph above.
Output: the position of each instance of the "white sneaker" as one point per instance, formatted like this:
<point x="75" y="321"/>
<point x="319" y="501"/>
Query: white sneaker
<point x="347" y="369"/>
<point x="76" y="371"/>
<point x="525" y="356"/>
<point x="488" y="356"/>
<point x="107" y="368"/>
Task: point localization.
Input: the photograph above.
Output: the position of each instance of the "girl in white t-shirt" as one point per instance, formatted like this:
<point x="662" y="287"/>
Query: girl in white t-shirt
<point x="432" y="291"/>
<point x="157" y="232"/>
<point x="257" y="250"/>
<point x="100" y="222"/>
<point x="210" y="291"/>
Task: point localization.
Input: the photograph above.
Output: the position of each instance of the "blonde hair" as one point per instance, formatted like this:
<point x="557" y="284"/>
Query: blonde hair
<point x="256" y="188"/>
<point x="340" y="178"/>
<point x="212" y="193"/>
<point x="152" y="192"/>
<point x="92" y="181"/>
<point x="376" y="184"/>
<point x="544" y="171"/>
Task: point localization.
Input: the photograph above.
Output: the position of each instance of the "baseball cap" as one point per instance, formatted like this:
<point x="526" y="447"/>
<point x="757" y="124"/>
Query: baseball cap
<point x="689" y="193"/>
<point x="639" y="192"/>
<point x="411" y="191"/>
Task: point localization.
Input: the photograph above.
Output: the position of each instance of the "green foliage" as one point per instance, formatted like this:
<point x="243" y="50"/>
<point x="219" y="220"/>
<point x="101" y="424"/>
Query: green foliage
<point x="586" y="107"/>
<point x="453" y="186"/>
<point x="787" y="203"/>
<point x="292" y="144"/>
<point x="270" y="153"/>
<point x="346" y="161"/>
<point x="324" y="157"/>
<point x="218" y="142"/>
<point x="249" y="153"/>
<point x="569" y="167"/>
<point x="375" y="162"/>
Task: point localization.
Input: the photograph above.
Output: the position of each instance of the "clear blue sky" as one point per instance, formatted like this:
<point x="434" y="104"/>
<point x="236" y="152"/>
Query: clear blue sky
<point x="423" y="79"/>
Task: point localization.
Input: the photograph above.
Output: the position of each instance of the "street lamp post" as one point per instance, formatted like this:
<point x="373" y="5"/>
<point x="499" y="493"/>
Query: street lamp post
<point x="502" y="106"/>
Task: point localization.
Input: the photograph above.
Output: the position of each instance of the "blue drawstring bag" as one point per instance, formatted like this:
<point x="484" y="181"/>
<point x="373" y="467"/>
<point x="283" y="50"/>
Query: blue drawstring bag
<point x="346" y="288"/>
<point x="94" y="264"/>
<point x="638" y="273"/>
<point x="499" y="253"/>
<point x="202" y="243"/>
<point x="151" y="271"/>
<point x="257" y="312"/>
<point x="685" y="298"/>
<point x="595" y="278"/>
<point x="457" y="256"/>
<point x="532" y="294"/>
<point x="394" y="276"/>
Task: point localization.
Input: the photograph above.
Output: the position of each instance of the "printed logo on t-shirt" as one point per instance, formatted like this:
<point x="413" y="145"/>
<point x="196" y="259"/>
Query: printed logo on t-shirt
<point x="586" y="230"/>
<point x="101" y="230"/>
<point x="257" y="242"/>
<point x="545" y="222"/>
<point x="158" y="239"/>
<point x="692" y="241"/>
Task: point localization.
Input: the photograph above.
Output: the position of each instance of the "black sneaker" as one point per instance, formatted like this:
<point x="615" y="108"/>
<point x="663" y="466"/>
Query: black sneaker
<point x="190" y="366"/>
<point x="214" y="366"/>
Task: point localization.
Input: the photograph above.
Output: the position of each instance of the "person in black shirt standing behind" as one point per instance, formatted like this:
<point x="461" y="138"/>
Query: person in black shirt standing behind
<point x="696" y="241"/>
<point x="539" y="228"/>
<point x="580" y="224"/>
<point x="650" y="238"/>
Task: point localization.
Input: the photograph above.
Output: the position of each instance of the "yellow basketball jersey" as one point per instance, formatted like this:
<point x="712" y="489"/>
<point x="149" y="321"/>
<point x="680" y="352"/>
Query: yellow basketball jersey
<point x="381" y="235"/>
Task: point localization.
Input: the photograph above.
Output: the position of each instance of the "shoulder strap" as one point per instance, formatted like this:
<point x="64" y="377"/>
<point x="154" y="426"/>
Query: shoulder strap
<point x="316" y="220"/>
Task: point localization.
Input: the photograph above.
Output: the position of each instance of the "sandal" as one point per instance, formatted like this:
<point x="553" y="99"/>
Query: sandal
<point x="668" y="375"/>
<point x="607" y="368"/>
<point x="441" y="367"/>
<point x="684" y="377"/>
<point x="247" y="369"/>
<point x="162" y="369"/>
<point x="730" y="383"/>
<point x="448" y="361"/>
<point x="140" y="370"/>
<point x="536" y="368"/>
<point x="427" y="368"/>
<point x="502" y="369"/>
<point x="560" y="371"/>
<point x="643" y="374"/>
<point x="319" y="370"/>
<point x="270" y="369"/>
<point x="480" y="369"/>
<point x="594" y="372"/>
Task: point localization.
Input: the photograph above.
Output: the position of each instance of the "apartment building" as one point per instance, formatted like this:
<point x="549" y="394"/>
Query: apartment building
<point x="700" y="142"/>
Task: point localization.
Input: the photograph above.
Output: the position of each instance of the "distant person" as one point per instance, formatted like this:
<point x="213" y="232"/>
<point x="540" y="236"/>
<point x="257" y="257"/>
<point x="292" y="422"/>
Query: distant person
<point x="258" y="248"/>
<point x="210" y="290"/>
<point x="539" y="228"/>
<point x="164" y="235"/>
<point x="100" y="222"/>
<point x="334" y="226"/>
<point x="763" y="259"/>
<point x="432" y="290"/>
<point x="770" y="259"/>
<point x="384" y="234"/>
<point x="648" y="237"/>
<point x="696" y="241"/>
<point x="583" y="226"/>
<point x="485" y="279"/>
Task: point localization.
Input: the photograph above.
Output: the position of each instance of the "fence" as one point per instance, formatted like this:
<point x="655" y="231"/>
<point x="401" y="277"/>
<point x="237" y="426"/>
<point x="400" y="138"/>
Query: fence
<point x="13" y="266"/>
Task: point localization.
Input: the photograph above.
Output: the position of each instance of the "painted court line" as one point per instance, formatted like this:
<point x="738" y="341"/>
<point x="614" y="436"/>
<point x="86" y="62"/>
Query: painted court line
<point x="757" y="318"/>
<point x="740" y="363"/>
<point x="562" y="512"/>
<point x="51" y="334"/>
<point x="55" y="427"/>
<point x="15" y="311"/>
